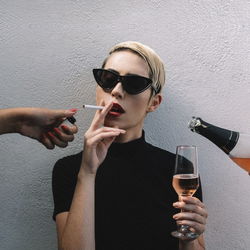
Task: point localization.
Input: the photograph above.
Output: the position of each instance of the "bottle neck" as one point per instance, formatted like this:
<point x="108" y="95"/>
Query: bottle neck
<point x="225" y="139"/>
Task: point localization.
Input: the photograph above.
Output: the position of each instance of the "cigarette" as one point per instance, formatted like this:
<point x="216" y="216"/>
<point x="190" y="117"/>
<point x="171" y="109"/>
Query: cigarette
<point x="72" y="119"/>
<point x="92" y="106"/>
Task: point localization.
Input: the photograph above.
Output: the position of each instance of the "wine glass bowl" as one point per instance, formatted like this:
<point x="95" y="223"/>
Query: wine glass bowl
<point x="185" y="182"/>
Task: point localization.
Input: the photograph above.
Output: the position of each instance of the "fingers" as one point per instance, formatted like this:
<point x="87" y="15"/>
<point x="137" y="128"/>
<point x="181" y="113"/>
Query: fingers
<point x="100" y="116"/>
<point x="194" y="226"/>
<point x="104" y="134"/>
<point x="62" y="136"/>
<point x="56" y="141"/>
<point x="190" y="216"/>
<point x="60" y="113"/>
<point x="102" y="137"/>
<point x="103" y="130"/>
<point x="69" y="130"/>
<point x="191" y="204"/>
<point x="96" y="144"/>
<point x="193" y="214"/>
<point x="192" y="200"/>
<point x="98" y="138"/>
<point x="108" y="141"/>
<point x="98" y="122"/>
<point x="55" y="117"/>
<point x="46" y="142"/>
<point x="59" y="137"/>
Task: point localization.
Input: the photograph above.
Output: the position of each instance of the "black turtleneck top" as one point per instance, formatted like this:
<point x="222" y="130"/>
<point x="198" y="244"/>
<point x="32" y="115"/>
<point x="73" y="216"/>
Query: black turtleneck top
<point x="133" y="196"/>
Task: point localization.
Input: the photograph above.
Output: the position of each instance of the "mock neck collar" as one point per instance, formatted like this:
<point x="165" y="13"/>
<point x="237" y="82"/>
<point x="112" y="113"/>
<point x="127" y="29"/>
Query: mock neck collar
<point x="127" y="147"/>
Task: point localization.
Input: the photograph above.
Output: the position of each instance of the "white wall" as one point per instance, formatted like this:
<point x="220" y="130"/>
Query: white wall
<point x="47" y="51"/>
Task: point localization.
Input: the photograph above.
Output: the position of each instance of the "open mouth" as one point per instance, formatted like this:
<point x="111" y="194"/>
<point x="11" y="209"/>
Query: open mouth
<point x="116" y="110"/>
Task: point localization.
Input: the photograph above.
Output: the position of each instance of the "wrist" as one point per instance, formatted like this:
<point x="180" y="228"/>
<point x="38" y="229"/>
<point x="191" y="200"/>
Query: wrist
<point x="189" y="244"/>
<point x="9" y="120"/>
<point x="86" y="172"/>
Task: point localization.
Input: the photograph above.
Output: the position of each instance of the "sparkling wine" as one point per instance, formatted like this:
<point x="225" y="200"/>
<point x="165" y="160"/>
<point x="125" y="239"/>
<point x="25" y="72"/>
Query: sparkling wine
<point x="235" y="144"/>
<point x="242" y="162"/>
<point x="185" y="184"/>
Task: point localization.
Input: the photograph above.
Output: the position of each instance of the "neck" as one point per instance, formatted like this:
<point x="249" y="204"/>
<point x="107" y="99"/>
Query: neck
<point x="130" y="135"/>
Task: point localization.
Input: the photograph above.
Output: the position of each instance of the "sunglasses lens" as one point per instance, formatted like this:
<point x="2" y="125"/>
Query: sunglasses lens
<point x="104" y="78"/>
<point x="136" y="84"/>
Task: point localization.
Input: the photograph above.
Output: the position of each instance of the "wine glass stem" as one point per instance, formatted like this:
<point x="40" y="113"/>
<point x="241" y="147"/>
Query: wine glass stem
<point x="183" y="228"/>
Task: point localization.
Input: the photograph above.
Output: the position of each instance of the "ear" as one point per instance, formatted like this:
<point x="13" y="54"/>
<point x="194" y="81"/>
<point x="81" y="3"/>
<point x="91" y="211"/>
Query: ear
<point x="154" y="103"/>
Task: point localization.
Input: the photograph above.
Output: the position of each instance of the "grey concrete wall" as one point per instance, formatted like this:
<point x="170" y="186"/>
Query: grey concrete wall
<point x="47" y="51"/>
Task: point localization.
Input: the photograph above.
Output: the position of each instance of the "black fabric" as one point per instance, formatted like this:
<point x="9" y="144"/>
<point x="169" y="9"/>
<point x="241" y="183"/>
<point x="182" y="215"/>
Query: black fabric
<point x="133" y="196"/>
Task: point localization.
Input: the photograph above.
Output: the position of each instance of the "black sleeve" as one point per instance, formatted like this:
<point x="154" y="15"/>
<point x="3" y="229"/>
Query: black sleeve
<point x="64" y="179"/>
<point x="198" y="193"/>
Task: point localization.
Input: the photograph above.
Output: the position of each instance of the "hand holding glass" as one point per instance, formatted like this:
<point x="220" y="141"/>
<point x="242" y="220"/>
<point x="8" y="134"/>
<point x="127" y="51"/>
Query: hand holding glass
<point x="185" y="182"/>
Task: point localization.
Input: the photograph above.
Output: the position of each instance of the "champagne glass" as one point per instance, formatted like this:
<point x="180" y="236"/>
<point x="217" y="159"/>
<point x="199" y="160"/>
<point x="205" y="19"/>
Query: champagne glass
<point x="185" y="182"/>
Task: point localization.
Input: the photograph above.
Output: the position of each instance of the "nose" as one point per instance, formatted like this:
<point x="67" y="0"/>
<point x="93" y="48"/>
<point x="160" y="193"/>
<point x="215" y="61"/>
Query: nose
<point x="118" y="91"/>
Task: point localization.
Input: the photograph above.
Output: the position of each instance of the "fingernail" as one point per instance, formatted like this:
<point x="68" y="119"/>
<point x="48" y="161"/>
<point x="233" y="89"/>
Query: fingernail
<point x="57" y="130"/>
<point x="73" y="110"/>
<point x="175" y="217"/>
<point x="64" y="126"/>
<point x="50" y="134"/>
<point x="176" y="204"/>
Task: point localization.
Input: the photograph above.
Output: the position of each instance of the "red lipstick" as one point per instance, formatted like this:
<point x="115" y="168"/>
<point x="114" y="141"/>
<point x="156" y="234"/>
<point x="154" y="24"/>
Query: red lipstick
<point x="116" y="110"/>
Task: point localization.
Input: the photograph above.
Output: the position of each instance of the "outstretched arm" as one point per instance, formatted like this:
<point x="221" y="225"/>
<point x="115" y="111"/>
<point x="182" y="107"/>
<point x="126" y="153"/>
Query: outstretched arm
<point x="40" y="124"/>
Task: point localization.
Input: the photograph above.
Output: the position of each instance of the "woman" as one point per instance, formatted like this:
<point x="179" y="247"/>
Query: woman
<point x="117" y="193"/>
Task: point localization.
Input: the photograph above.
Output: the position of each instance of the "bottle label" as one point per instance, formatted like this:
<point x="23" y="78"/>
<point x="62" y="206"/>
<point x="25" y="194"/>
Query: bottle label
<point x="223" y="138"/>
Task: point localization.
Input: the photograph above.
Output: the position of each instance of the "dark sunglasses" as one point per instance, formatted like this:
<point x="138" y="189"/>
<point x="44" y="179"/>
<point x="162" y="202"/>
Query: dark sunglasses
<point x="132" y="84"/>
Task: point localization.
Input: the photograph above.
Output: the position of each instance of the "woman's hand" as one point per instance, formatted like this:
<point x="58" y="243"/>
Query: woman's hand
<point x="40" y="124"/>
<point x="194" y="214"/>
<point x="59" y="136"/>
<point x="97" y="140"/>
<point x="43" y="125"/>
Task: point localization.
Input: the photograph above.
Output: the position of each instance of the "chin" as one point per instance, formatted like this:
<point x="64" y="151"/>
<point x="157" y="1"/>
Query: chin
<point x="109" y="123"/>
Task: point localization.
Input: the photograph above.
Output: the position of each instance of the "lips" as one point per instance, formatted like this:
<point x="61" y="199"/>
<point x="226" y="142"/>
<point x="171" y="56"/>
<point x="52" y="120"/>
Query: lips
<point x="116" y="110"/>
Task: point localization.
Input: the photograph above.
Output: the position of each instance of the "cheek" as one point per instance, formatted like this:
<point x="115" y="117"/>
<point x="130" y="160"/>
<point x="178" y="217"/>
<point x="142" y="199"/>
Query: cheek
<point x="140" y="104"/>
<point x="99" y="94"/>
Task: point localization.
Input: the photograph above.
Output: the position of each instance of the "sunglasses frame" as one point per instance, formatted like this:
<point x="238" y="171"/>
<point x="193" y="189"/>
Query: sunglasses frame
<point x="122" y="80"/>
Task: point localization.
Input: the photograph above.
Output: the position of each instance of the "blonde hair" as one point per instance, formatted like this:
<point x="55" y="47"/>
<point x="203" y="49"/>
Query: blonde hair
<point x="155" y="64"/>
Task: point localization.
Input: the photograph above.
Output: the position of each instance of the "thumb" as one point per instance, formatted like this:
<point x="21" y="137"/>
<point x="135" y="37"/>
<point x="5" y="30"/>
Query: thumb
<point x="60" y="113"/>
